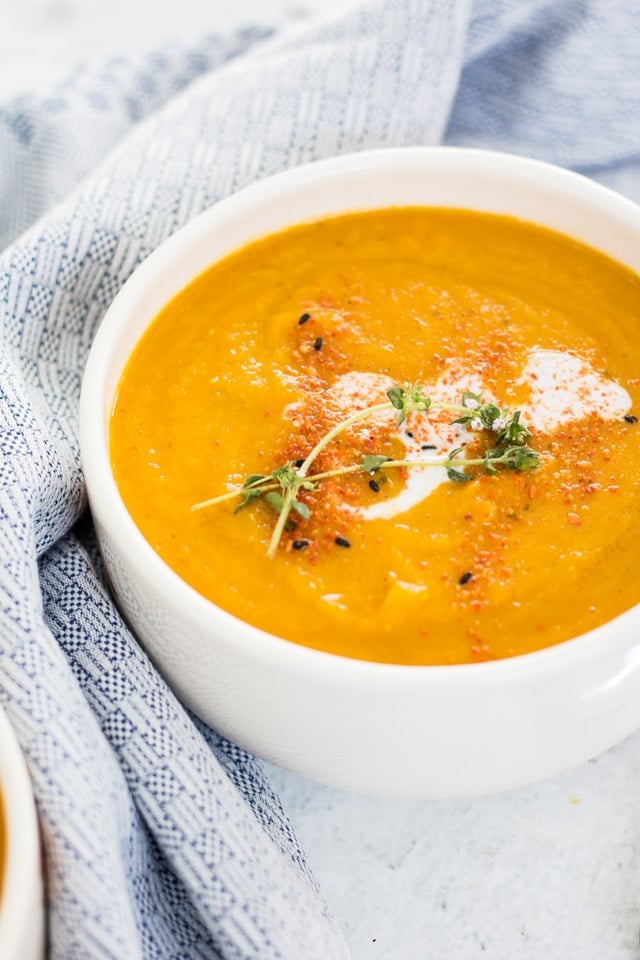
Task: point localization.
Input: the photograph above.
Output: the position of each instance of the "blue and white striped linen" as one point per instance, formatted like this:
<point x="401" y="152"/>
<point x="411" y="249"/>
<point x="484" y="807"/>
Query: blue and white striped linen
<point x="162" y="839"/>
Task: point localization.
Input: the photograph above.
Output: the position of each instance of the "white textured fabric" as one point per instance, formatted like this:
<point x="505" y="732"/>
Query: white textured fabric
<point x="161" y="838"/>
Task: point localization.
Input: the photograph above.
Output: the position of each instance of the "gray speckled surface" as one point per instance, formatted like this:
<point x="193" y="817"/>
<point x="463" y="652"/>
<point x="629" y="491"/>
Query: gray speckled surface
<point x="547" y="872"/>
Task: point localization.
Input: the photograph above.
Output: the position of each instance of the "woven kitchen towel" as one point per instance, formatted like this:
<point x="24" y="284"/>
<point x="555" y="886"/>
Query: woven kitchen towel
<point x="163" y="840"/>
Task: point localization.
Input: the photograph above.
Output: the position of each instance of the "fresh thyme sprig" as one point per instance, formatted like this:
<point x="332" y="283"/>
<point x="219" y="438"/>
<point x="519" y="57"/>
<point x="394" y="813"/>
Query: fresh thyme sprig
<point x="511" y="458"/>
<point x="280" y="491"/>
<point x="281" y="487"/>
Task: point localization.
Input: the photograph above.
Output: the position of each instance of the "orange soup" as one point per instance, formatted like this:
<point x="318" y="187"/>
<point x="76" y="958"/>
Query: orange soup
<point x="432" y="541"/>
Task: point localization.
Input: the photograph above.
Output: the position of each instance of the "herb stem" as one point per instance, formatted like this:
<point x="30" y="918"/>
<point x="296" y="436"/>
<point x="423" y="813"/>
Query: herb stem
<point x="358" y="468"/>
<point x="339" y="427"/>
<point x="262" y="486"/>
<point x="283" y="516"/>
<point x="361" y="415"/>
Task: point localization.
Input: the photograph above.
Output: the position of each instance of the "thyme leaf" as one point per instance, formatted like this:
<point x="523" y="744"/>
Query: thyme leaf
<point x="458" y="476"/>
<point x="247" y="497"/>
<point x="301" y="509"/>
<point x="253" y="479"/>
<point x="372" y="462"/>
<point x="275" y="501"/>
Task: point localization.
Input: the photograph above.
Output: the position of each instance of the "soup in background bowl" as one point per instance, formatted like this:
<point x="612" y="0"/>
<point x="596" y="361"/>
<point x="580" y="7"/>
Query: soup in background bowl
<point x="21" y="905"/>
<point x="370" y="280"/>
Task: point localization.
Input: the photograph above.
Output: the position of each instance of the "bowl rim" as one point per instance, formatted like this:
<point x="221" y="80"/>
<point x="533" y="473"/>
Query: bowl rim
<point x="616" y="634"/>
<point x="19" y="871"/>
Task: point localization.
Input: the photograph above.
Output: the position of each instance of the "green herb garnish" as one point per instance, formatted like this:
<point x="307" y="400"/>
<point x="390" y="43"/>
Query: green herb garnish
<point x="280" y="488"/>
<point x="408" y="399"/>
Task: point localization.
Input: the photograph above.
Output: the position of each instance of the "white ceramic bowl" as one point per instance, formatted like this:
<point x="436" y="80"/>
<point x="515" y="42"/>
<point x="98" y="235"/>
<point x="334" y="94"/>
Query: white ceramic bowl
<point x="21" y="908"/>
<point x="399" y="730"/>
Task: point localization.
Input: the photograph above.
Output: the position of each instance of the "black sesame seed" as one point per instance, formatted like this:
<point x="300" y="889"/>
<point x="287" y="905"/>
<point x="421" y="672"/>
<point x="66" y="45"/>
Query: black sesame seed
<point x="298" y="463"/>
<point x="408" y="434"/>
<point x="375" y="486"/>
<point x="428" y="446"/>
<point x="300" y="544"/>
<point x="341" y="542"/>
<point x="630" y="418"/>
<point x="317" y="343"/>
<point x="465" y="578"/>
<point x="304" y="318"/>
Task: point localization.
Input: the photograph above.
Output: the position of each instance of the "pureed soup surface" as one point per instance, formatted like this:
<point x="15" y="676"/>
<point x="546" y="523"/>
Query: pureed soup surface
<point x="263" y="353"/>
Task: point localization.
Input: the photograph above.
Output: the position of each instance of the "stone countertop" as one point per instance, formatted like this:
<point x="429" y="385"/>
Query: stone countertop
<point x="546" y="872"/>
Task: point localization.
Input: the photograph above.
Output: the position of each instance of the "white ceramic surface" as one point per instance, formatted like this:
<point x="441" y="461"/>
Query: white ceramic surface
<point x="405" y="731"/>
<point x="21" y="907"/>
